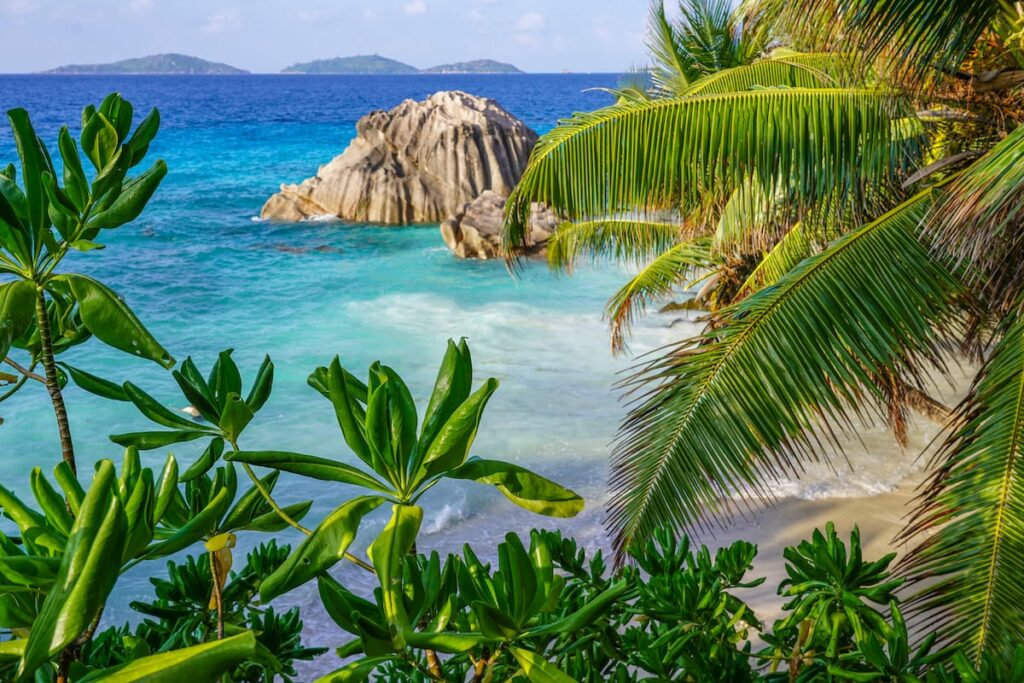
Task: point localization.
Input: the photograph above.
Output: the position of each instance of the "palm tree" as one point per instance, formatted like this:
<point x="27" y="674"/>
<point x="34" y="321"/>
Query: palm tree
<point x="854" y="213"/>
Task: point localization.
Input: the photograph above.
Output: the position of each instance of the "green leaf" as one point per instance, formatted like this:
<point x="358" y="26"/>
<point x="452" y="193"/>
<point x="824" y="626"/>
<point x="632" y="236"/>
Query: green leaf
<point x="75" y="184"/>
<point x="156" y="411"/>
<point x="205" y="662"/>
<point x="386" y="553"/>
<point x="144" y="133"/>
<point x="451" y="388"/>
<point x="521" y="486"/>
<point x="147" y="441"/>
<point x="594" y="608"/>
<point x="17" y="311"/>
<point x="355" y="672"/>
<point x="346" y="410"/>
<point x="451" y="446"/>
<point x="74" y="494"/>
<point x="89" y="568"/>
<point x="538" y="669"/>
<point x="211" y="454"/>
<point x="51" y="502"/>
<point x="446" y="641"/>
<point x="103" y="388"/>
<point x="261" y="386"/>
<point x="33" y="164"/>
<point x="166" y="488"/>
<point x="312" y="466"/>
<point x="110" y="319"/>
<point x="234" y="417"/>
<point x="322" y="549"/>
<point x="131" y="201"/>
<point x="201" y="524"/>
<point x="272" y="522"/>
<point x="99" y="140"/>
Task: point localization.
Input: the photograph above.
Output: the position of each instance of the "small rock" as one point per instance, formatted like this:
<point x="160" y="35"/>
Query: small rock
<point x="474" y="231"/>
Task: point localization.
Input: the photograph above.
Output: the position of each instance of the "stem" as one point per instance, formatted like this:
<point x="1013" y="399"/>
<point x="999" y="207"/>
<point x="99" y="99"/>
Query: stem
<point x="52" y="385"/>
<point x="287" y="518"/>
<point x="215" y="573"/>
<point x="25" y="372"/>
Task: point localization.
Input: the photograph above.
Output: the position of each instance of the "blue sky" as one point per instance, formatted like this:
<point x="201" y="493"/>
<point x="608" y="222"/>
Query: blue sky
<point x="267" y="35"/>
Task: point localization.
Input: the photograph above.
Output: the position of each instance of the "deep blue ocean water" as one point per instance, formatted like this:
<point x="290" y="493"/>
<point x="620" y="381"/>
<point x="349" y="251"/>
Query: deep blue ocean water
<point x="203" y="275"/>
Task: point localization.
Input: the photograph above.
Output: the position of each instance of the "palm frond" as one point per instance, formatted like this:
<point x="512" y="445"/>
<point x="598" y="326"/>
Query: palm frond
<point x="629" y="240"/>
<point x="721" y="415"/>
<point x="746" y="218"/>
<point x="672" y="70"/>
<point x="649" y="156"/>
<point x="980" y="224"/>
<point x="913" y="35"/>
<point x="793" y="248"/>
<point x="972" y="567"/>
<point x="818" y="70"/>
<point x="657" y="280"/>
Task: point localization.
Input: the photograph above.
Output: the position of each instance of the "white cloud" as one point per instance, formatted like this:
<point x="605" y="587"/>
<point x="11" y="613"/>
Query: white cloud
<point x="139" y="6"/>
<point x="370" y="14"/>
<point x="476" y="15"/>
<point x="415" y="7"/>
<point x="531" y="21"/>
<point x="223" y="21"/>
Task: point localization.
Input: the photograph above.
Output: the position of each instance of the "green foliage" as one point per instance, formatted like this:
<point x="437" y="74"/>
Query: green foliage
<point x="181" y="616"/>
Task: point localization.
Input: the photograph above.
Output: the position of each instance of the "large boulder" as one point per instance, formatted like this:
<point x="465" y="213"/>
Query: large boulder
<point x="416" y="163"/>
<point x="474" y="231"/>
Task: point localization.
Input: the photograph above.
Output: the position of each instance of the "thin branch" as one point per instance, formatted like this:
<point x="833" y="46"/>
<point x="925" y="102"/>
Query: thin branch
<point x="940" y="165"/>
<point x="25" y="371"/>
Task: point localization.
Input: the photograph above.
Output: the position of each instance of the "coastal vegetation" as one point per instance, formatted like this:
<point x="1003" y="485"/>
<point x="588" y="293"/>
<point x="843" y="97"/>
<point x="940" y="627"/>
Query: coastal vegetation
<point x="839" y="182"/>
<point x="849" y="210"/>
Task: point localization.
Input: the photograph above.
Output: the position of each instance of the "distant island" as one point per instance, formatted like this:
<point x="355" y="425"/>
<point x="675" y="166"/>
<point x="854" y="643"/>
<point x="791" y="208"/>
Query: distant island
<point x="378" y="65"/>
<point x="170" y="63"/>
<point x="359" y="64"/>
<point x="477" y="66"/>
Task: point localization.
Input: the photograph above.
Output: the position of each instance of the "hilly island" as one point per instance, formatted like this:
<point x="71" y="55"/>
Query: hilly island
<point x="170" y="63"/>
<point x="376" y="64"/>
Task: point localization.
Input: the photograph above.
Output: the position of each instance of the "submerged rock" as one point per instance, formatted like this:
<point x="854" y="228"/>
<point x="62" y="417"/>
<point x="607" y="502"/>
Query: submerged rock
<point x="474" y="231"/>
<point x="416" y="163"/>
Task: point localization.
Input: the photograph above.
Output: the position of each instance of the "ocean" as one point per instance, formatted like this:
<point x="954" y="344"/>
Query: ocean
<point x="204" y="275"/>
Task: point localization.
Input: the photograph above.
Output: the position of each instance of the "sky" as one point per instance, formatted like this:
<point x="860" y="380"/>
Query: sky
<point x="267" y="35"/>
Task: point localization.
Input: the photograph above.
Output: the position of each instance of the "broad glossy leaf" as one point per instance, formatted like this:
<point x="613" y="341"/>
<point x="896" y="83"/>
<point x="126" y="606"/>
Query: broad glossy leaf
<point x="75" y="184"/>
<point x="401" y="418"/>
<point x="590" y="612"/>
<point x="144" y="133"/>
<point x="452" y="387"/>
<point x="17" y="311"/>
<point x="202" y="524"/>
<point x="147" y="441"/>
<point x="386" y="553"/>
<point x="51" y="502"/>
<point x="261" y="386"/>
<point x="322" y="549"/>
<point x="131" y="201"/>
<point x="446" y="641"/>
<point x="203" y="464"/>
<point x="250" y="505"/>
<point x="166" y="488"/>
<point x="355" y="672"/>
<point x="38" y="573"/>
<point x="235" y="416"/>
<point x="33" y="164"/>
<point x="204" y="662"/>
<point x="89" y="568"/>
<point x="347" y="411"/>
<point x="312" y="466"/>
<point x="522" y="487"/>
<point x="155" y="410"/>
<point x="110" y="319"/>
<point x="342" y="605"/>
<point x="95" y="385"/>
<point x="451" y="446"/>
<point x="74" y="494"/>
<point x="537" y="669"/>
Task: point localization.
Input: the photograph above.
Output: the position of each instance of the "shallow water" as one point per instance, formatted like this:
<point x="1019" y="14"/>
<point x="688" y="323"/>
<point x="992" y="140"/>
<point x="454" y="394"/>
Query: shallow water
<point x="203" y="275"/>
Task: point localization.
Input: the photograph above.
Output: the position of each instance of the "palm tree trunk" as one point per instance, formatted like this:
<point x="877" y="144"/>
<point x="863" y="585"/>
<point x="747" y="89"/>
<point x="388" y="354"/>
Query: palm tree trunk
<point x="52" y="384"/>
